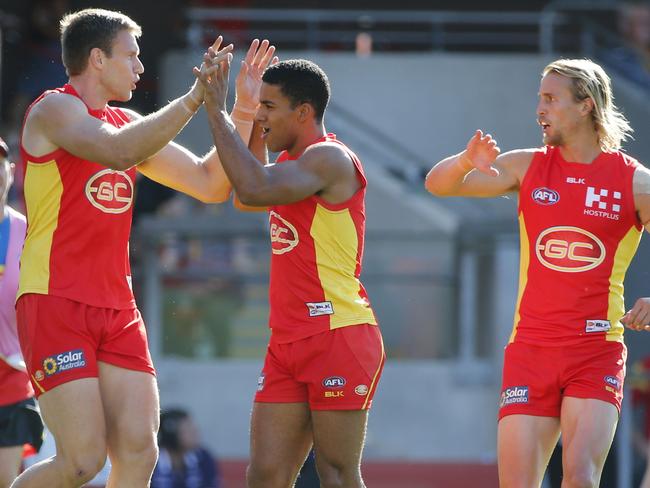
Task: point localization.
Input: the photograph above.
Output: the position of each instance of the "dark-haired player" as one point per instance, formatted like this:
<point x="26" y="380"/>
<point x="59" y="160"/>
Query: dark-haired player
<point x="325" y="355"/>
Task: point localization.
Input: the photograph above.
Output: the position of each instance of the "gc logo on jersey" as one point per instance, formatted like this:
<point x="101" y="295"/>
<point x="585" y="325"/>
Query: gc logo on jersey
<point x="545" y="196"/>
<point x="110" y="191"/>
<point x="569" y="249"/>
<point x="284" y="236"/>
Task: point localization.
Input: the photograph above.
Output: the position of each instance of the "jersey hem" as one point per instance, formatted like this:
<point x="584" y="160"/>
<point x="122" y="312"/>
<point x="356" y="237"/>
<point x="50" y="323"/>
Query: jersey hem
<point x="279" y="337"/>
<point x="40" y="291"/>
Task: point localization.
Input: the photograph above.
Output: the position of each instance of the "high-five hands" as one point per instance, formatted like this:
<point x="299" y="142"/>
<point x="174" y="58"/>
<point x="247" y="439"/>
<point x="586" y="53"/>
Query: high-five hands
<point x="215" y="71"/>
<point x="639" y="317"/>
<point x="249" y="80"/>
<point x="481" y="152"/>
<point x="218" y="55"/>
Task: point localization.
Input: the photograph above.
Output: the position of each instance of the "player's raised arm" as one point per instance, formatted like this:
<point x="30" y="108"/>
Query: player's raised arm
<point x="479" y="171"/>
<point x="60" y="120"/>
<point x="204" y="178"/>
<point x="259" y="185"/>
<point x="258" y="149"/>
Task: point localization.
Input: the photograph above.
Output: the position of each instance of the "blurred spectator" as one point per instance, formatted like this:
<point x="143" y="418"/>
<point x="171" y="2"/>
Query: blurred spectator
<point x="182" y="462"/>
<point x="633" y="58"/>
<point x="363" y="45"/>
<point x="20" y="422"/>
<point x="640" y="383"/>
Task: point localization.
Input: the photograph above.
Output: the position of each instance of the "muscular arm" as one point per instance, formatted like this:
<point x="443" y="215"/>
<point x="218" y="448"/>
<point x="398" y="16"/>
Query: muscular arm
<point x="62" y="121"/>
<point x="202" y="178"/>
<point x="258" y="148"/>
<point x="479" y="171"/>
<point x="324" y="168"/>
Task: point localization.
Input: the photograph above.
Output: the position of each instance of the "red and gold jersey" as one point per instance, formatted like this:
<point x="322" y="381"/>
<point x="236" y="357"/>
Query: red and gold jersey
<point x="78" y="224"/>
<point x="317" y="250"/>
<point x="579" y="231"/>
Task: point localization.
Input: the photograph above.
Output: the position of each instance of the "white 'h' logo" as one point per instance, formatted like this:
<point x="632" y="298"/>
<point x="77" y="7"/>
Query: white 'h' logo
<point x="594" y="196"/>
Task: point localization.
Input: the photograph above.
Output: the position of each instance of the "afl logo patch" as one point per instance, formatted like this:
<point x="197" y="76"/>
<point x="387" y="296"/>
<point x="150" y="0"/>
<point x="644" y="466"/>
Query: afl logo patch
<point x="569" y="249"/>
<point x="110" y="191"/>
<point x="545" y="196"/>
<point x="284" y="236"/>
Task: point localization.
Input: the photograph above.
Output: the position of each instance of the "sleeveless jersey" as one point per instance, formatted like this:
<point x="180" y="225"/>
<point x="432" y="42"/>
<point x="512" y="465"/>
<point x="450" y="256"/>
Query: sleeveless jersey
<point x="579" y="231"/>
<point x="317" y="250"/>
<point x="78" y="224"/>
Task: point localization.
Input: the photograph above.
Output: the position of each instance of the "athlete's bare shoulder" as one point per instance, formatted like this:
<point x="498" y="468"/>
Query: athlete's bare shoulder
<point x="55" y="105"/>
<point x="328" y="155"/>
<point x="641" y="180"/>
<point x="641" y="189"/>
<point x="53" y="113"/>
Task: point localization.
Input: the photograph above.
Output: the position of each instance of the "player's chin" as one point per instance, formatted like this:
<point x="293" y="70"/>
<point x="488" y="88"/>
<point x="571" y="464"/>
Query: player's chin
<point x="124" y="96"/>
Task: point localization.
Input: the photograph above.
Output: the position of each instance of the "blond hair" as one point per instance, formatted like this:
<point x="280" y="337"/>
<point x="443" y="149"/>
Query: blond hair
<point x="589" y="80"/>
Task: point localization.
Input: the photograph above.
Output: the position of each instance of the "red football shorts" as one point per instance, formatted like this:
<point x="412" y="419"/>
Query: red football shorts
<point x="62" y="340"/>
<point x="334" y="370"/>
<point x="535" y="379"/>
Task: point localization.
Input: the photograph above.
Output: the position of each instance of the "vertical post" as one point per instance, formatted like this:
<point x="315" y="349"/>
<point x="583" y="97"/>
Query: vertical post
<point x="153" y="302"/>
<point x="624" y="454"/>
<point x="546" y="28"/>
<point x="467" y="307"/>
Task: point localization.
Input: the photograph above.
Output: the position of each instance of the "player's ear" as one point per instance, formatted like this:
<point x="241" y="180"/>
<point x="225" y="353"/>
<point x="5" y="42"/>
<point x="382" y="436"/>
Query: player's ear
<point x="96" y="58"/>
<point x="305" y="110"/>
<point x="587" y="106"/>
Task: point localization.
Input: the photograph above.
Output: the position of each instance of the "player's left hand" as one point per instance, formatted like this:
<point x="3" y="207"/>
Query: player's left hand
<point x="214" y="75"/>
<point x="639" y="317"/>
<point x="260" y="56"/>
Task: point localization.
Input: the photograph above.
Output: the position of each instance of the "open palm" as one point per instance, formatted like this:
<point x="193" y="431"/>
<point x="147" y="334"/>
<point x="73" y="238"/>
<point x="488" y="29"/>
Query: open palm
<point x="249" y="80"/>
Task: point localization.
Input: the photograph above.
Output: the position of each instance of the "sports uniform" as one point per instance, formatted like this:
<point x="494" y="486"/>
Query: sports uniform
<point x="20" y="422"/>
<point x="325" y="345"/>
<point x="75" y="304"/>
<point x="579" y="231"/>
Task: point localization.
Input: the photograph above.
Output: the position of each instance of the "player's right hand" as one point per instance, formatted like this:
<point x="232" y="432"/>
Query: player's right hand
<point x="481" y="152"/>
<point x="638" y="318"/>
<point x="213" y="57"/>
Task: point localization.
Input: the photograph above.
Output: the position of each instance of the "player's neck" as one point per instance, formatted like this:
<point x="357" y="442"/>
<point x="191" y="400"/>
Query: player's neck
<point x="581" y="149"/>
<point x="90" y="91"/>
<point x="307" y="138"/>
